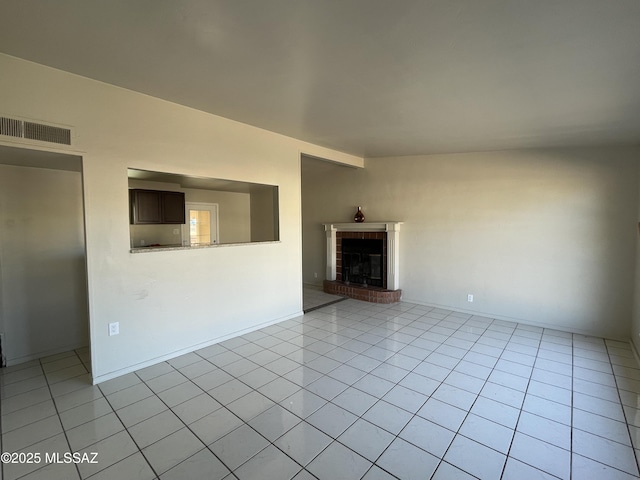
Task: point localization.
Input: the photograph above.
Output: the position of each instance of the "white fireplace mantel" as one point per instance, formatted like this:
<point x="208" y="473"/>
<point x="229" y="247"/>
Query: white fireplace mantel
<point x="393" y="246"/>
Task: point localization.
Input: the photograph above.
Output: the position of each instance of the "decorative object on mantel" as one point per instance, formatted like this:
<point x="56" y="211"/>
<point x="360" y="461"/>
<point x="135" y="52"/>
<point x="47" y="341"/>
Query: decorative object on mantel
<point x="359" y="218"/>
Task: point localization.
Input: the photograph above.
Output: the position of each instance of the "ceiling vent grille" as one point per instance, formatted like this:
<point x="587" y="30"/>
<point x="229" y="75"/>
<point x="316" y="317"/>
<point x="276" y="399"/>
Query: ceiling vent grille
<point x="47" y="133"/>
<point x="34" y="131"/>
<point x="10" y="127"/>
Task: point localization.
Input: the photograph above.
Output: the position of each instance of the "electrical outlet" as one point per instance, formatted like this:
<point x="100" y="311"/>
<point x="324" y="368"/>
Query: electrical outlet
<point x="143" y="243"/>
<point x="114" y="328"/>
<point x="315" y="275"/>
<point x="470" y="297"/>
<point x="176" y="231"/>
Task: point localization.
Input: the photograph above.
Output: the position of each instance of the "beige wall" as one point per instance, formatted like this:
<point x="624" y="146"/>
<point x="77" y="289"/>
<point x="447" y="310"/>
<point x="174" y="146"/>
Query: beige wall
<point x="635" y="331"/>
<point x="170" y="302"/>
<point x="42" y="262"/>
<point x="264" y="214"/>
<point x="545" y="237"/>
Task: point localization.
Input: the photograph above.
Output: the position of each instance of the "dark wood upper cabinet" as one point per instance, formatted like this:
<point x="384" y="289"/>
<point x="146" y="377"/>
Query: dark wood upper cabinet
<point x="172" y="207"/>
<point x="152" y="207"/>
<point x="145" y="207"/>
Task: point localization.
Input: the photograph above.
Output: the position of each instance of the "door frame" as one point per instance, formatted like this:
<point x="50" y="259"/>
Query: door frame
<point x="208" y="206"/>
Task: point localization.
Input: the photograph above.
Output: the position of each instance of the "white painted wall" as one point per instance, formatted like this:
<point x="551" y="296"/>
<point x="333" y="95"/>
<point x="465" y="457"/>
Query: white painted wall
<point x="264" y="222"/>
<point x="635" y="330"/>
<point x="545" y="237"/>
<point x="42" y="262"/>
<point x="172" y="301"/>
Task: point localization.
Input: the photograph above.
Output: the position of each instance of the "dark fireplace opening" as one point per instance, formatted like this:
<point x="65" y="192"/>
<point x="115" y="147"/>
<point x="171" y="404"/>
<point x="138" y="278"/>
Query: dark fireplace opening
<point x="363" y="262"/>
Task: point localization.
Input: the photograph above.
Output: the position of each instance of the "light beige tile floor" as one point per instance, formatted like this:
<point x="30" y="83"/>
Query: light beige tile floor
<point x="351" y="390"/>
<point x="314" y="297"/>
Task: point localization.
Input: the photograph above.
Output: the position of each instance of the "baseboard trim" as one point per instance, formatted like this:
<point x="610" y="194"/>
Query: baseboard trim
<point x="635" y="351"/>
<point x="519" y="320"/>
<point x="43" y="354"/>
<point x="163" y="358"/>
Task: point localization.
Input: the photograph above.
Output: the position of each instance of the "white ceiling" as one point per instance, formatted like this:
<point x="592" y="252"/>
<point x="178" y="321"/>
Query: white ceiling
<point x="368" y="77"/>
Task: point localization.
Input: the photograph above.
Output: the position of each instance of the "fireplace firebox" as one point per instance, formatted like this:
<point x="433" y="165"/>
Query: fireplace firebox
<point x="362" y="262"/>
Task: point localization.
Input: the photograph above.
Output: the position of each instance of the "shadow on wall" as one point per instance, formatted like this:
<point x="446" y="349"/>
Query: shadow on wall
<point x="542" y="236"/>
<point x="55" y="303"/>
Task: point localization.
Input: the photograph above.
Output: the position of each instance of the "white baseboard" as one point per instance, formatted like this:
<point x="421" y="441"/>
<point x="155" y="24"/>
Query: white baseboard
<point x="177" y="353"/>
<point x="516" y="320"/>
<point x="42" y="354"/>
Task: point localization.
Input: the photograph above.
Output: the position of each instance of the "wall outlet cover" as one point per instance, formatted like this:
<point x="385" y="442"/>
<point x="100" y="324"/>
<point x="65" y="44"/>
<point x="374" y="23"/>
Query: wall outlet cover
<point x="470" y="298"/>
<point x="114" y="328"/>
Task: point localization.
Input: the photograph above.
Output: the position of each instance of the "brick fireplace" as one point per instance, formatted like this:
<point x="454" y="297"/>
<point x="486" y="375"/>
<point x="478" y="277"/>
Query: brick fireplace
<point x="339" y="277"/>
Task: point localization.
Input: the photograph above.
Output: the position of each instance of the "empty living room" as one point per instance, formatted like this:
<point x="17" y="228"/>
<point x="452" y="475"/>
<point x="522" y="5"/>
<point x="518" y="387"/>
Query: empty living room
<point x="323" y="240"/>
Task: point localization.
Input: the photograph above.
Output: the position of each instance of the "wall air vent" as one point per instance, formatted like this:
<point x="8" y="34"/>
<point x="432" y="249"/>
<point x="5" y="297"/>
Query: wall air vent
<point x="10" y="127"/>
<point x="47" y="133"/>
<point x="34" y="131"/>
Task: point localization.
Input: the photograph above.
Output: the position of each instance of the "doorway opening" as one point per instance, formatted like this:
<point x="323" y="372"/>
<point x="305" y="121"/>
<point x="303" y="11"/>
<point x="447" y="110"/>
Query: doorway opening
<point x="202" y="224"/>
<point x="43" y="276"/>
<point x="313" y="236"/>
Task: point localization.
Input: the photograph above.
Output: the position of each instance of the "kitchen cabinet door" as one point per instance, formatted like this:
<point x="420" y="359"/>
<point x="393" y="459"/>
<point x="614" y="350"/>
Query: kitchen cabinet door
<point x="145" y="207"/>
<point x="156" y="207"/>
<point x="172" y="207"/>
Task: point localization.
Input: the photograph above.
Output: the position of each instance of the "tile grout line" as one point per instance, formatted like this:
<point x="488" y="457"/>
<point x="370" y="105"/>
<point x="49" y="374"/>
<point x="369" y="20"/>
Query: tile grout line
<point x="475" y="400"/>
<point x="429" y="396"/>
<point x="304" y="420"/>
<point x="206" y="447"/>
<point x="624" y="412"/>
<point x="359" y="417"/>
<point x="140" y="450"/>
<point x="371" y="326"/>
<point x="453" y="368"/>
<point x="414" y="415"/>
<point x="231" y="470"/>
<point x="520" y="410"/>
<point x="573" y="370"/>
<point x="55" y="405"/>
<point x="457" y="432"/>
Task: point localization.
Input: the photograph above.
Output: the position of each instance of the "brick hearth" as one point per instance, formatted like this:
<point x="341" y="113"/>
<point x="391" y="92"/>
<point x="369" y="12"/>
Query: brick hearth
<point x="368" y="294"/>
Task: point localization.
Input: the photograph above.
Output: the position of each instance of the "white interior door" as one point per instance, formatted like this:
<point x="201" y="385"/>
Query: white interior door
<point x="202" y="224"/>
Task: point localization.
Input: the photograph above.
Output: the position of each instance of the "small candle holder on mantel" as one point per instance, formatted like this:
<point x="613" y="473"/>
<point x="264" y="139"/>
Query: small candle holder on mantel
<point x="359" y="217"/>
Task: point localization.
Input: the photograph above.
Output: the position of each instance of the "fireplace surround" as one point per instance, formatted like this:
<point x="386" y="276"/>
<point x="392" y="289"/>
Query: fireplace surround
<point x="387" y="290"/>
